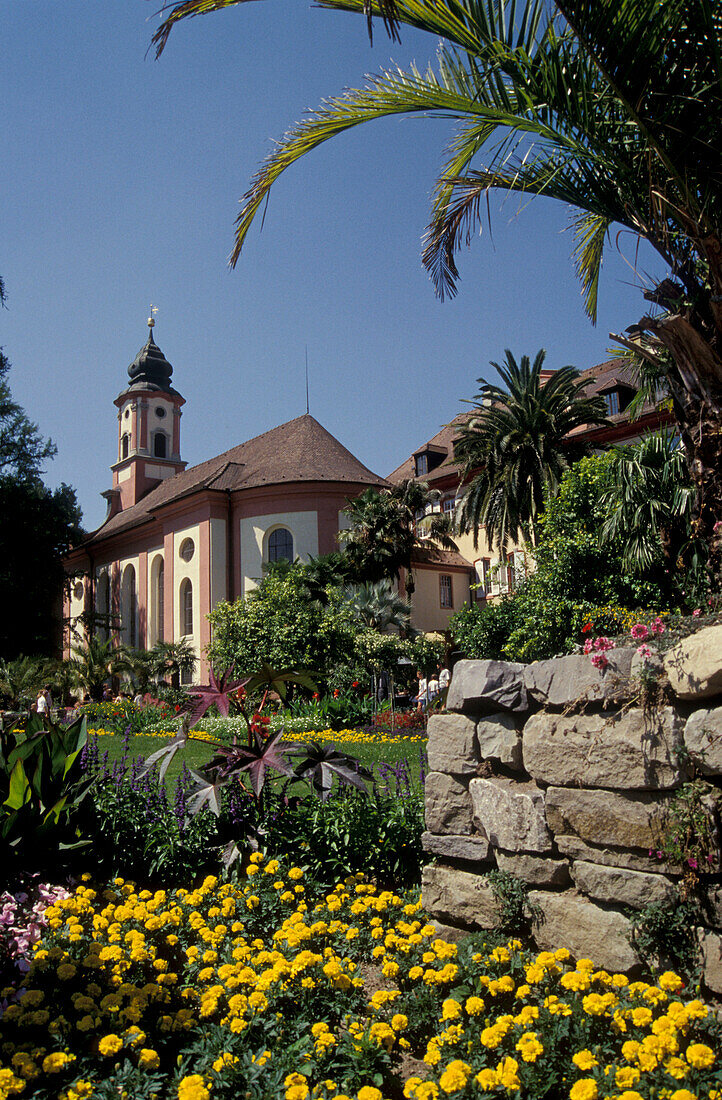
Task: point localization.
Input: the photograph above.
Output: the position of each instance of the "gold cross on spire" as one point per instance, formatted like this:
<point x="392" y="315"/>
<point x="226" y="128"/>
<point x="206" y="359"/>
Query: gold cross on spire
<point x="151" y="319"/>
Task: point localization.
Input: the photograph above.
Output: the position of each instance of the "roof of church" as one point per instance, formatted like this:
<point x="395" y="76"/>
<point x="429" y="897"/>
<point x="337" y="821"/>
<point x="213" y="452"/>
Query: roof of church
<point x="301" y="450"/>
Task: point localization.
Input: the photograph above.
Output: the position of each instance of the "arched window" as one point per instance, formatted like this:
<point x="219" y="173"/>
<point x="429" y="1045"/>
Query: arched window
<point x="157" y="599"/>
<point x="280" y="545"/>
<point x="125" y="445"/>
<point x="128" y="605"/>
<point x="160" y="445"/>
<point x="102" y="604"/>
<point x="186" y="607"/>
<point x="160" y="601"/>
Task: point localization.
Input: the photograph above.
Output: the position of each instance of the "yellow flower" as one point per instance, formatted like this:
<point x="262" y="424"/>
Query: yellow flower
<point x="584" y="1060"/>
<point x="450" y="1009"/>
<point x="529" y="1046"/>
<point x="586" y="1089"/>
<point x="110" y="1045"/>
<point x="682" y="1094"/>
<point x="641" y="1017"/>
<point x="454" y="1077"/>
<point x="295" y="874"/>
<point x="399" y="1022"/>
<point x="670" y="982"/>
<point x="425" y="1091"/>
<point x="700" y="1056"/>
<point x="148" y="1059"/>
<point x="57" y="1061"/>
<point x="368" y="1092"/>
<point x="488" y="1079"/>
<point x="625" y="1077"/>
<point x="193" y="1087"/>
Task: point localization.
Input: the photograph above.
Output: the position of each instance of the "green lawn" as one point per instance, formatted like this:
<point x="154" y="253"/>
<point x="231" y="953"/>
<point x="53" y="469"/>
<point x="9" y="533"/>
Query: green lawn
<point x="383" y="749"/>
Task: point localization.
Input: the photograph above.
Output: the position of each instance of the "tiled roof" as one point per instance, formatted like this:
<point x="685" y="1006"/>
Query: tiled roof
<point x="445" y="439"/>
<point x="433" y="556"/>
<point x="600" y="379"/>
<point x="299" y="451"/>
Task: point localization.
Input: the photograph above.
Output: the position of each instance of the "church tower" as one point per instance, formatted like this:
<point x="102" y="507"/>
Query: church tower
<point x="149" y="414"/>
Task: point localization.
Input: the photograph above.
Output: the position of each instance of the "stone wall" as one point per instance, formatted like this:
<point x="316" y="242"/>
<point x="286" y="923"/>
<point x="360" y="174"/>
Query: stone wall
<point x="563" y="775"/>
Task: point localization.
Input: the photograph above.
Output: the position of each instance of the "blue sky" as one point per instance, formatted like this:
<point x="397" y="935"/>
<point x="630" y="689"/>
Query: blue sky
<point x="121" y="176"/>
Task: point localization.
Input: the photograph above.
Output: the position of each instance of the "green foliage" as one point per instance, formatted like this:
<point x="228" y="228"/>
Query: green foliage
<point x="384" y="533"/>
<point x="688" y="838"/>
<point x="278" y="624"/>
<point x="38" y="525"/>
<point x="513" y="897"/>
<point x="577" y="579"/>
<point x="380" y="837"/>
<point x="664" y="935"/>
<point x="136" y="833"/>
<point x="42" y="789"/>
<point x="20" y="681"/>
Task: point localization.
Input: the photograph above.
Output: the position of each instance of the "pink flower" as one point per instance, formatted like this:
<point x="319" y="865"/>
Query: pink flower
<point x="601" y="644"/>
<point x="639" y="632"/>
<point x="588" y="645"/>
<point x="644" y="651"/>
<point x="599" y="660"/>
<point x="658" y="626"/>
<point x="697" y="612"/>
<point x="692" y="863"/>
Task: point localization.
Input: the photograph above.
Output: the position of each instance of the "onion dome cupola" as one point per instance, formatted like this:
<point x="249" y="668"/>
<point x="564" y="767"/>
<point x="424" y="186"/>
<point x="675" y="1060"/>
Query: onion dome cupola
<point x="150" y="369"/>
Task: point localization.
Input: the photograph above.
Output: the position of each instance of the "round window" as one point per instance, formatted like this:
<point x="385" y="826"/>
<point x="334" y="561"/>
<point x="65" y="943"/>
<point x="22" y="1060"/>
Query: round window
<point x="187" y="549"/>
<point x="78" y="590"/>
<point x="160" y="411"/>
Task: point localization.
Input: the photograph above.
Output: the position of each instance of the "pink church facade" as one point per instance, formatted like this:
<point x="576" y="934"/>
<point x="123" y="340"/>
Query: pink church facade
<point x="178" y="541"/>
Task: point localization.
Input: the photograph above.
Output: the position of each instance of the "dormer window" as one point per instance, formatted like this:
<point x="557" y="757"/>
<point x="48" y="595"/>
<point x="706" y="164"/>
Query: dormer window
<point x="612" y="402"/>
<point x="427" y="460"/>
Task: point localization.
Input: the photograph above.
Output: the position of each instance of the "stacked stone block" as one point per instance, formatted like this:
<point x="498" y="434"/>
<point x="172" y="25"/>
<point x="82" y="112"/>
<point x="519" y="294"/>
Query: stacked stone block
<point x="560" y="774"/>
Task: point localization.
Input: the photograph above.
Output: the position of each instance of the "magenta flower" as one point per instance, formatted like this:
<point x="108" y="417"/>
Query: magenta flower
<point x="697" y="612"/>
<point x="588" y="645"/>
<point x="644" y="651"/>
<point x="639" y="632"/>
<point x="600" y="661"/>
<point x="692" y="863"/>
<point x="658" y="626"/>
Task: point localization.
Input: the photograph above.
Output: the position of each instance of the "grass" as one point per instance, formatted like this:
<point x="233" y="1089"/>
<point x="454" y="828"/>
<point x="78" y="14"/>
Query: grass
<point x="369" y="749"/>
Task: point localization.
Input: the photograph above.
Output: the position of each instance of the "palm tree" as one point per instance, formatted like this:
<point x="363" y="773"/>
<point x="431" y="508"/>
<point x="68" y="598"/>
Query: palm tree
<point x="614" y="109"/>
<point x="20" y="681"/>
<point x="515" y="447"/>
<point x="379" y="607"/>
<point x="96" y="661"/>
<point x="175" y="659"/>
<point x="649" y="503"/>
<point x="383" y="536"/>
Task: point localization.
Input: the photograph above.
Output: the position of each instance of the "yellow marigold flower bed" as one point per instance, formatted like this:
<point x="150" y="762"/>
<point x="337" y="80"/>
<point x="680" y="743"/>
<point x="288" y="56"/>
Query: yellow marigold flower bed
<point x="254" y="988"/>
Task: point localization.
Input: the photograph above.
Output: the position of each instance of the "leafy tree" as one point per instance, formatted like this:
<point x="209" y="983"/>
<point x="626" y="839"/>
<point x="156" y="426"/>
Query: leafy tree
<point x="578" y="578"/>
<point x="384" y="532"/>
<point x="515" y="447"/>
<point x="615" y="110"/>
<point x="38" y="525"/>
<point x="280" y="625"/>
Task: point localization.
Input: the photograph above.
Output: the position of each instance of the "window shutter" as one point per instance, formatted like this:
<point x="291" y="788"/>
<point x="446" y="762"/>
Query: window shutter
<point x="496" y="577"/>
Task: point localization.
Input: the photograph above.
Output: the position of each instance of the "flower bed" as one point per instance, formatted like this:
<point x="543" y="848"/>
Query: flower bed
<point x="258" y="989"/>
